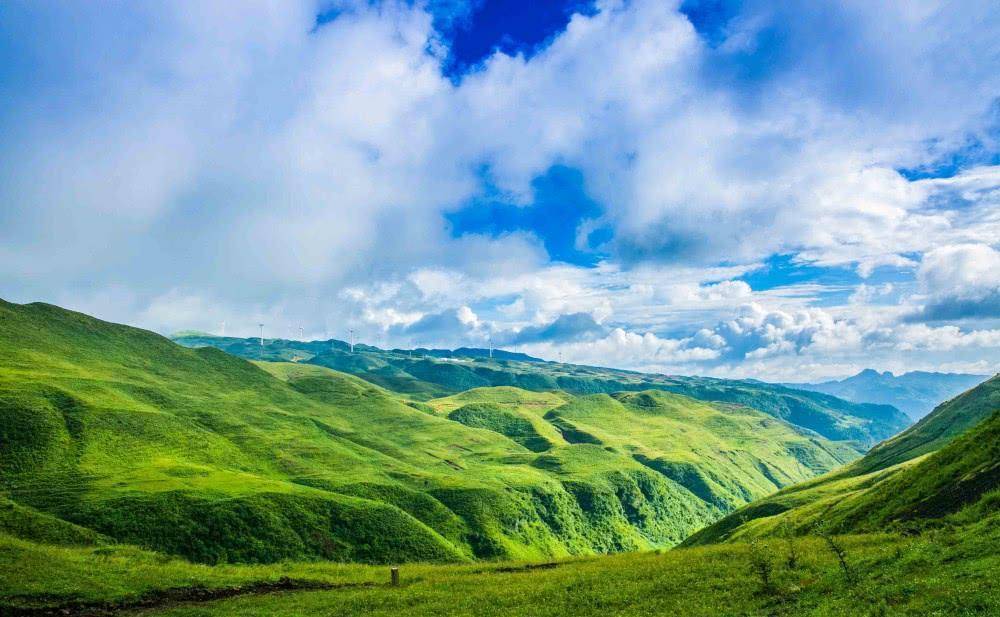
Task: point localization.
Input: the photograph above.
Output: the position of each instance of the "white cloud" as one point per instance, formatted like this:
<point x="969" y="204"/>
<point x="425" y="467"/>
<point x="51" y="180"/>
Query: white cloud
<point x="467" y="317"/>
<point x="236" y="162"/>
<point x="966" y="268"/>
<point x="783" y="346"/>
<point x="960" y="282"/>
<point x="864" y="293"/>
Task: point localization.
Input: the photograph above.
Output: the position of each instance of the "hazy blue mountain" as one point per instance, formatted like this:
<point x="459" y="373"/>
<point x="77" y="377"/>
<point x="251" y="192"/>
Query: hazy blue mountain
<point x="915" y="393"/>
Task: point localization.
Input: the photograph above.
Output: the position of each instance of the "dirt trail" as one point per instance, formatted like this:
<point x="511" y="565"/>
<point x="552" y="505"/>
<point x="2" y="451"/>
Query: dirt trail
<point x="168" y="597"/>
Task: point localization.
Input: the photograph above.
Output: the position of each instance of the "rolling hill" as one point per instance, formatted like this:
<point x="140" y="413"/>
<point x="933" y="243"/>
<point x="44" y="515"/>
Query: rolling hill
<point x="916" y="393"/>
<point x="114" y="434"/>
<point x="125" y="459"/>
<point x="425" y="374"/>
<point x="946" y="466"/>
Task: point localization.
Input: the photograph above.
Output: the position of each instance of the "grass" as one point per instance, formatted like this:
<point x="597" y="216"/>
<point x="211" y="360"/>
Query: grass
<point x="900" y="577"/>
<point x="432" y="374"/>
<point x="36" y="574"/>
<point x="137" y="474"/>
<point x="944" y="479"/>
<point x="118" y="432"/>
<point x="942" y="573"/>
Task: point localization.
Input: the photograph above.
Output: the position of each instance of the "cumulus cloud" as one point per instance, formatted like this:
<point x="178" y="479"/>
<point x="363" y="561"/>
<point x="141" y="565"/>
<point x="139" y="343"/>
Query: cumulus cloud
<point x="623" y="348"/>
<point x="240" y="162"/>
<point x="780" y="345"/>
<point x="450" y="327"/>
<point x="687" y="173"/>
<point x="960" y="282"/>
<point x="565" y="328"/>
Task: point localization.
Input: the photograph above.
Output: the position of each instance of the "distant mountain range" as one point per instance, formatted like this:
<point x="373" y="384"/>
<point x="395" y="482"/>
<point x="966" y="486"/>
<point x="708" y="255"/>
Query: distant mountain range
<point x="915" y="393"/>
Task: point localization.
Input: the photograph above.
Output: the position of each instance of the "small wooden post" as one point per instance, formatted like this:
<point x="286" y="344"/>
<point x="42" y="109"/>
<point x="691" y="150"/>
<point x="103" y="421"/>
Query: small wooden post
<point x="394" y="574"/>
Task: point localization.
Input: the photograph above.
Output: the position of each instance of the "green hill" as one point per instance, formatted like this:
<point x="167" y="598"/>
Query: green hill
<point x="124" y="458"/>
<point x="425" y="374"/>
<point x="948" y="420"/>
<point x="117" y="433"/>
<point x="945" y="467"/>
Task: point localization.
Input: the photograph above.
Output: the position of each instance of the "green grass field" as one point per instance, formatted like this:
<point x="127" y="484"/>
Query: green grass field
<point x="137" y="475"/>
<point x="947" y="572"/>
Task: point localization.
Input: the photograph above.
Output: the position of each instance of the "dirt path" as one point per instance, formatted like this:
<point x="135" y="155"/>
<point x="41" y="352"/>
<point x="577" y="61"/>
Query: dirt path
<point x="169" y="597"/>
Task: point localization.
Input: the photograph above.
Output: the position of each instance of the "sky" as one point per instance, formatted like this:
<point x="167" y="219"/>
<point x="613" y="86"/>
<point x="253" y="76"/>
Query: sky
<point x="783" y="191"/>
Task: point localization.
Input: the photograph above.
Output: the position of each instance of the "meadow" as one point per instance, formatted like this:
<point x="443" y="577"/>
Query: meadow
<point x="947" y="572"/>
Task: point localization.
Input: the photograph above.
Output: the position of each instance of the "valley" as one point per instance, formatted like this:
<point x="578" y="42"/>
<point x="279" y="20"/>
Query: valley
<point x="499" y="308"/>
<point x="141" y="474"/>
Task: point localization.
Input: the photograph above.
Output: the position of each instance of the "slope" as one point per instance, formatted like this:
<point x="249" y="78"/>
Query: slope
<point x="189" y="451"/>
<point x="198" y="453"/>
<point x="940" y="471"/>
<point x="422" y="375"/>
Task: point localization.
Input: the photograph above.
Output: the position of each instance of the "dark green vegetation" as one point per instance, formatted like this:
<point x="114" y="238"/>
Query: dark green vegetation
<point x="423" y="374"/>
<point x="915" y="393"/>
<point x="111" y="433"/>
<point x="944" y="471"/>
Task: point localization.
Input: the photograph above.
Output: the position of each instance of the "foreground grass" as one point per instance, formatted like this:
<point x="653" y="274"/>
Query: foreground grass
<point x="36" y="575"/>
<point x="924" y="576"/>
<point x="947" y="572"/>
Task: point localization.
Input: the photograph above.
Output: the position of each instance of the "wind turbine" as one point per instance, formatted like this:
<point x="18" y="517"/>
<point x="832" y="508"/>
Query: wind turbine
<point x="352" y="339"/>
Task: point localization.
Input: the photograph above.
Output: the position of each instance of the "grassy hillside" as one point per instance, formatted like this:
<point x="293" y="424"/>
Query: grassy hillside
<point x="939" y="472"/>
<point x="722" y="454"/>
<point x="120" y="435"/>
<point x="947" y="421"/>
<point x="425" y="374"/>
<point x="125" y="458"/>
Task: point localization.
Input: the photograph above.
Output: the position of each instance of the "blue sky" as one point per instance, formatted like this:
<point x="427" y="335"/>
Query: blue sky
<point x="509" y="26"/>
<point x="757" y="189"/>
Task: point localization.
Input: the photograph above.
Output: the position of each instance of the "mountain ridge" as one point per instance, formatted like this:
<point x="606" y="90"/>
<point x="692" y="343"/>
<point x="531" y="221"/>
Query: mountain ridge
<point x="947" y="462"/>
<point x="422" y="377"/>
<point x="202" y="454"/>
<point x="915" y="393"/>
